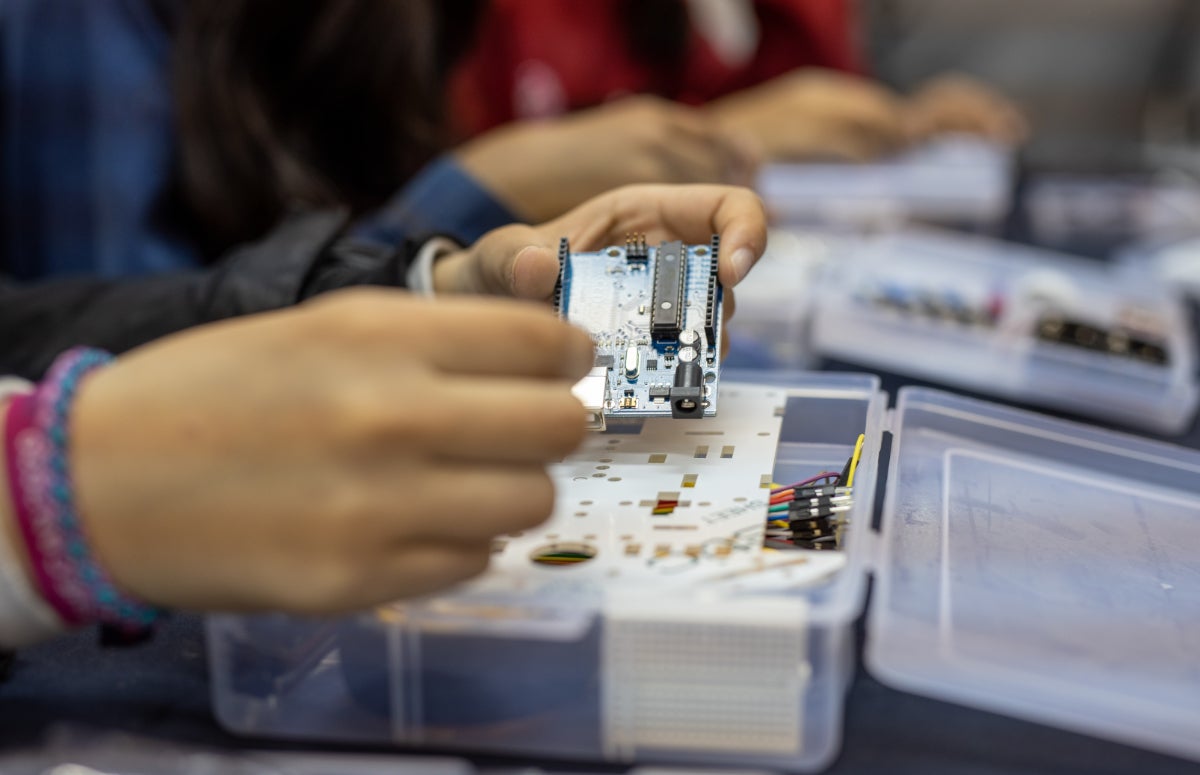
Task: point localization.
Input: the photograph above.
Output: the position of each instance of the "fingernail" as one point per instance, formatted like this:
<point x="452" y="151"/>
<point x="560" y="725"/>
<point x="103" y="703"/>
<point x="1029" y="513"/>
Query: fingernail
<point x="742" y="259"/>
<point x="531" y="276"/>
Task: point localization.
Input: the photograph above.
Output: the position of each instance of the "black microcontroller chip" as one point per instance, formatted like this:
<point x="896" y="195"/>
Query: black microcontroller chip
<point x="666" y="315"/>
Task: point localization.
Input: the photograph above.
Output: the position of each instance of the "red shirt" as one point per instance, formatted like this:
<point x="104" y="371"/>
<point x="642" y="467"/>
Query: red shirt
<point x="536" y="58"/>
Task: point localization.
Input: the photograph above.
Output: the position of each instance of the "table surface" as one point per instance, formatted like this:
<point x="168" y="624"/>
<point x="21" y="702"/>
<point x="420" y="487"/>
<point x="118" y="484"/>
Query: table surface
<point x="160" y="690"/>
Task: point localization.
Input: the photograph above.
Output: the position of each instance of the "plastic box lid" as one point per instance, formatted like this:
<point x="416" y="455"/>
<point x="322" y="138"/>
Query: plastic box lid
<point x="871" y="309"/>
<point x="774" y="307"/>
<point x="1173" y="261"/>
<point x="1040" y="568"/>
<point x="949" y="179"/>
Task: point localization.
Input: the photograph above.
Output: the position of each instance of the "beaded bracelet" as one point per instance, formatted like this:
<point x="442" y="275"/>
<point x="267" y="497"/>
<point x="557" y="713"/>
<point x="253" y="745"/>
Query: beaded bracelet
<point x="37" y="443"/>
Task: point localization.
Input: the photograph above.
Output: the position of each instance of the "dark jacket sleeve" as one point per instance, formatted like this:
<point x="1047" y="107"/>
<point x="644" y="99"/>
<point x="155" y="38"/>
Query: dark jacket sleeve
<point x="304" y="256"/>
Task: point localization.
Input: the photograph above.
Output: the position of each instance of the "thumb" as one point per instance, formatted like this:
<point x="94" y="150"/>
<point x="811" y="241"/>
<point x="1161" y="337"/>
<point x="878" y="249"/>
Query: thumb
<point x="517" y="261"/>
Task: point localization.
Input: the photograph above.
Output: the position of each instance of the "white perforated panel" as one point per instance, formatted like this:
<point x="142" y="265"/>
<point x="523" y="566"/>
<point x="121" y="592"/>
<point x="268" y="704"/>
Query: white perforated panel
<point x="725" y="676"/>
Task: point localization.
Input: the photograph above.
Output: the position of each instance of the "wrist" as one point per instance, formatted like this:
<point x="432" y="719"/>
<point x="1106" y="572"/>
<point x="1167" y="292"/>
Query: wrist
<point x="37" y="442"/>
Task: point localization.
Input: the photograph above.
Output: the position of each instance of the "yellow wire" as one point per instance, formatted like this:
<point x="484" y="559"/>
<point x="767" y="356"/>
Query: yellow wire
<point x="854" y="460"/>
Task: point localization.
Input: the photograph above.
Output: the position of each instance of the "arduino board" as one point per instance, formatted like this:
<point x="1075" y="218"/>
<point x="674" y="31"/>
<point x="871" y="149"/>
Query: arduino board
<point x="654" y="314"/>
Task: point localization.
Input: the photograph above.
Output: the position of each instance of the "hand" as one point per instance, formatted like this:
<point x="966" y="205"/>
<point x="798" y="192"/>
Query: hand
<point x="361" y="447"/>
<point x="958" y="103"/>
<point x="542" y="169"/>
<point x="816" y="114"/>
<point x="522" y="261"/>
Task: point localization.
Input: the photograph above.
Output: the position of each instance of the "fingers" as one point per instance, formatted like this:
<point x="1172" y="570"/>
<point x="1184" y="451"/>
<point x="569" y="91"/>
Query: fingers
<point x="693" y="160"/>
<point x="383" y="576"/>
<point x="484" y="337"/>
<point x="505" y="419"/>
<point x="464" y="502"/>
<point x="688" y="213"/>
<point x="422" y="569"/>
<point x="958" y="103"/>
<point x="516" y="261"/>
<point x="465" y="336"/>
<point x="696" y="150"/>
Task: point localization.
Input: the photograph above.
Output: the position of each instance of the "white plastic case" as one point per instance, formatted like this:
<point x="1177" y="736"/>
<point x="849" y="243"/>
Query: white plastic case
<point x="1024" y="564"/>
<point x="981" y="314"/>
<point x="953" y="179"/>
<point x="1175" y="262"/>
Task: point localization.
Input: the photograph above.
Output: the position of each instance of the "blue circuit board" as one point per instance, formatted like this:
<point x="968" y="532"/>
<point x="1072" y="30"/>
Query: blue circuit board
<point x="655" y="316"/>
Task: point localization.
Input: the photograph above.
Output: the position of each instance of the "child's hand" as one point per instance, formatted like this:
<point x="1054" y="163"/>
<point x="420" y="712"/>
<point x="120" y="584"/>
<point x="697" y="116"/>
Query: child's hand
<point x="522" y="261"/>
<point x="356" y="449"/>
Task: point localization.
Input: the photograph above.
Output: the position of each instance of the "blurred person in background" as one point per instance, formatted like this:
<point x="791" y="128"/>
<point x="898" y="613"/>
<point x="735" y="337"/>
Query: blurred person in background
<point x="1099" y="80"/>
<point x="246" y="156"/>
<point x="287" y="460"/>
<point x="720" y="85"/>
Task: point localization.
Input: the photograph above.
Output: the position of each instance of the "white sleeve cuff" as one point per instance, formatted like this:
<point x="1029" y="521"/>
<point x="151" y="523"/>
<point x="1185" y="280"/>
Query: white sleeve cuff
<point x="11" y="386"/>
<point x="420" y="273"/>
<point x="24" y="617"/>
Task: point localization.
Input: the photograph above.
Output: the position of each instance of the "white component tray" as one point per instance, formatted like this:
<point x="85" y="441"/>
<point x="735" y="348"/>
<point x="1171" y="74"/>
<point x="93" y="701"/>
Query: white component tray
<point x="968" y="312"/>
<point x="774" y="304"/>
<point x="1175" y="262"/>
<point x="1024" y="564"/>
<point x="952" y="179"/>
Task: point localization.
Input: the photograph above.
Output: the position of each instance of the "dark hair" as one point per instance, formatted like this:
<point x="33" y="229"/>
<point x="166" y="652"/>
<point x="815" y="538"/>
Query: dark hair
<point x="287" y="103"/>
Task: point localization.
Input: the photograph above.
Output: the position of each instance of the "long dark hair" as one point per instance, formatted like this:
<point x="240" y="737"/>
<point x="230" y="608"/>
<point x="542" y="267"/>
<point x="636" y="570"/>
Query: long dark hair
<point x="287" y="103"/>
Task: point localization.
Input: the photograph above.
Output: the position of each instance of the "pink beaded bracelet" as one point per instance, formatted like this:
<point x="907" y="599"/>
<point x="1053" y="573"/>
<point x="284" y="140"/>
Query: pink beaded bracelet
<point x="36" y="446"/>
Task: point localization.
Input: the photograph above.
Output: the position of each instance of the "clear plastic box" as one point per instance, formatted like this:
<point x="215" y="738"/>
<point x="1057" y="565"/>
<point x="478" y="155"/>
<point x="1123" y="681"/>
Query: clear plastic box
<point x="952" y="179"/>
<point x="1041" y="327"/>
<point x="1174" y="262"/>
<point x="774" y="307"/>
<point x="1024" y="564"/>
<point x="1041" y="568"/>
<point x="568" y="676"/>
<point x="1092" y="213"/>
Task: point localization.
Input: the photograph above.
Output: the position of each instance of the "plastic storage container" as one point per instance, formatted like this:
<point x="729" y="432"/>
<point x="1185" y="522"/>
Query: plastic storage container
<point x="774" y="303"/>
<point x="664" y="675"/>
<point x="1173" y="262"/>
<point x="1024" y="564"/>
<point x="1036" y="326"/>
<point x="953" y="179"/>
<point x="1090" y="214"/>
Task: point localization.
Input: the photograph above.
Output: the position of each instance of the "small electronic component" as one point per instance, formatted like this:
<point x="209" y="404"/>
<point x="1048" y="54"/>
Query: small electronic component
<point x="688" y="390"/>
<point x="655" y="316"/>
<point x="807" y="514"/>
<point x="1117" y="342"/>
<point x="666" y="306"/>
<point x="935" y="305"/>
<point x="592" y="392"/>
<point x="633" y="364"/>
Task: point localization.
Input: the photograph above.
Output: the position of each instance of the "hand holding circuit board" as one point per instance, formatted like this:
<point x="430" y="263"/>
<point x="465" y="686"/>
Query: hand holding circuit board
<point x="652" y="359"/>
<point x="522" y="261"/>
<point x="654" y="314"/>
